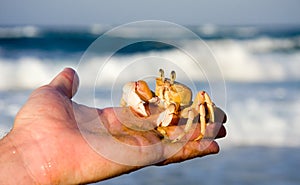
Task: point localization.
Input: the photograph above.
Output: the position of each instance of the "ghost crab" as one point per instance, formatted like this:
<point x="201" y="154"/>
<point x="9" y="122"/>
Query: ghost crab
<point x="176" y="101"/>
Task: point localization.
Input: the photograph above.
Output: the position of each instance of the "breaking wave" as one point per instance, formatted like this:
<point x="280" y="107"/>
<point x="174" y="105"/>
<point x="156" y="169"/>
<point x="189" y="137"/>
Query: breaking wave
<point x="239" y="61"/>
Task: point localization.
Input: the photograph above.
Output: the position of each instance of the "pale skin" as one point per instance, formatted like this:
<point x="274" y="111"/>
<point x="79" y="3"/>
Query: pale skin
<point x="46" y="146"/>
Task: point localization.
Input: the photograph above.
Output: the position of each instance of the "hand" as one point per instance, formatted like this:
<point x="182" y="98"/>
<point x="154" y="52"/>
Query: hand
<point x="57" y="141"/>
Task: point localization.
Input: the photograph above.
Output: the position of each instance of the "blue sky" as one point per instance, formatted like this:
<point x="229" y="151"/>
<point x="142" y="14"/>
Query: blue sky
<point x="187" y="12"/>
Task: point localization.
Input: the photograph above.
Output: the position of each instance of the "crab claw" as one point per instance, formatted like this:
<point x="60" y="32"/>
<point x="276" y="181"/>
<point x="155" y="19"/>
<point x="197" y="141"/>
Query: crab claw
<point x="143" y="91"/>
<point x="136" y="95"/>
<point x="166" y="117"/>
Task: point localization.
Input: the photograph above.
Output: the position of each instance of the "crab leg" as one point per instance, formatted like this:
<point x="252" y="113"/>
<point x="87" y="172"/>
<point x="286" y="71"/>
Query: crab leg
<point x="202" y="122"/>
<point x="202" y="99"/>
<point x="166" y="116"/>
<point x="190" y="115"/>
<point x="210" y="106"/>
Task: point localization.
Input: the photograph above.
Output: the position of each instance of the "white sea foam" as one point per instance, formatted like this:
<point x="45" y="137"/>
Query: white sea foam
<point x="27" y="72"/>
<point x="19" y="31"/>
<point x="254" y="122"/>
<point x="240" y="61"/>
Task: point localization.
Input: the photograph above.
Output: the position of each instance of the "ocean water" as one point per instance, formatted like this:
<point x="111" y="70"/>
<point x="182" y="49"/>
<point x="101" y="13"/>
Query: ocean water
<point x="255" y="80"/>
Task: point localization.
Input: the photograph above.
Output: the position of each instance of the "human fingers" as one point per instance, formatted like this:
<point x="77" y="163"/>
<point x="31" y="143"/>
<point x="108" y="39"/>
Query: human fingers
<point x="66" y="82"/>
<point x="213" y="130"/>
<point x="120" y="117"/>
<point x="189" y="150"/>
<point x="222" y="132"/>
<point x="220" y="115"/>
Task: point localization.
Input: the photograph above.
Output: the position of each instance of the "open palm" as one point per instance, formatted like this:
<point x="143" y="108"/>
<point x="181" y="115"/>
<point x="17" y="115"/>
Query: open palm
<point x="61" y="141"/>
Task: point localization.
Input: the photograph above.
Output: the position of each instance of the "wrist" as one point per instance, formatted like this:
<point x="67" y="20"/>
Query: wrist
<point x="13" y="169"/>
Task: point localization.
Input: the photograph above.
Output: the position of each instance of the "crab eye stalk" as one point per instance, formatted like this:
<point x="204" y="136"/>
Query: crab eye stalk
<point x="162" y="74"/>
<point x="173" y="77"/>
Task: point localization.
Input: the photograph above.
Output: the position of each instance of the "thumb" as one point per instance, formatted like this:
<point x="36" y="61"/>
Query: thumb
<point x="66" y="82"/>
